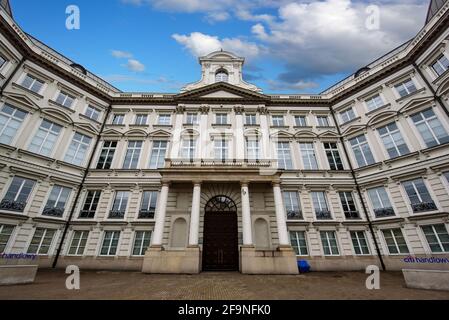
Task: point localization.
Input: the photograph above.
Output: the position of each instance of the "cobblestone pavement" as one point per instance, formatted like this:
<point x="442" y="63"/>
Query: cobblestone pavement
<point x="218" y="286"/>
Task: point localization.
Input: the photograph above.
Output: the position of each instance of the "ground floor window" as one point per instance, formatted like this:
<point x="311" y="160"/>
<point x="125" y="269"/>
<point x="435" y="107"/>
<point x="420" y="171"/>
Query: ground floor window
<point x="299" y="243"/>
<point x="110" y="243"/>
<point x="5" y="235"/>
<point x="141" y="242"/>
<point x="78" y="244"/>
<point x="41" y="242"/>
<point x="359" y="242"/>
<point x="437" y="237"/>
<point x="395" y="241"/>
<point x="329" y="241"/>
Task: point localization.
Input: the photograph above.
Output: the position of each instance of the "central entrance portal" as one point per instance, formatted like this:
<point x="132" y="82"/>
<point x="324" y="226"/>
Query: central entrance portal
<point x="220" y="245"/>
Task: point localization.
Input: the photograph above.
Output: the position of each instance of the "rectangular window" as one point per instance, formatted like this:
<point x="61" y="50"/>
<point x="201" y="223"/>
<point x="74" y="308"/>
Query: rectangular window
<point x="393" y="141"/>
<point x="16" y="197"/>
<point x="323" y="121"/>
<point x="119" y="206"/>
<point x="110" y="243"/>
<point x="221" y="149"/>
<point x="57" y="201"/>
<point x="320" y="205"/>
<point x="2" y="61"/>
<point x="148" y="205"/>
<point x="253" y="148"/>
<point x="348" y="204"/>
<point x="78" y="244"/>
<point x="32" y="83"/>
<point x="65" y="100"/>
<point x="441" y="65"/>
<point x="141" y="242"/>
<point x="300" y="121"/>
<point x="329" y="241"/>
<point x="374" y="103"/>
<point x="41" y="242"/>
<point x="90" y="204"/>
<point x="192" y="118"/>
<point x="118" y="119"/>
<point x="5" y="234"/>
<point x="292" y="205"/>
<point x="45" y="138"/>
<point x="76" y="154"/>
<point x="395" y="241"/>
<point x="381" y="202"/>
<point x="430" y="127"/>
<point x="250" y="119"/>
<point x="419" y="196"/>
<point x="141" y="119"/>
<point x="278" y="121"/>
<point x="92" y="113"/>
<point x="436" y="235"/>
<point x="362" y="151"/>
<point x="284" y="156"/>
<point x="158" y="153"/>
<point x="347" y="115"/>
<point x="188" y="148"/>
<point x="299" y="243"/>
<point x="107" y="155"/>
<point x="221" y="119"/>
<point x="405" y="88"/>
<point x="308" y="156"/>
<point x="133" y="155"/>
<point x="11" y="120"/>
<point x="164" y="120"/>
<point x="333" y="156"/>
<point x="359" y="243"/>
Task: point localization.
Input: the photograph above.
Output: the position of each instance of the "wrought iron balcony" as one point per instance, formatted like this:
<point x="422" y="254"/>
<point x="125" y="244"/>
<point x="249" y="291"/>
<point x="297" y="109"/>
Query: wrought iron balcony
<point x="384" y="212"/>
<point x="294" y="215"/>
<point x="116" y="214"/>
<point x="146" y="214"/>
<point x="53" y="212"/>
<point x="424" y="206"/>
<point x="11" y="205"/>
<point x="352" y="215"/>
<point x="87" y="214"/>
<point x="323" y="214"/>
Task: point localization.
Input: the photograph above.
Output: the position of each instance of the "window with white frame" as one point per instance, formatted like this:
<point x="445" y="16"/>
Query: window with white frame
<point x="90" y="204"/>
<point x="2" y="61"/>
<point x="45" y="138"/>
<point x="164" y="120"/>
<point x="110" y="243"/>
<point x="375" y="102"/>
<point x="148" y="205"/>
<point x="250" y="119"/>
<point x="395" y="241"/>
<point x="41" y="241"/>
<point x="5" y="234"/>
<point x="278" y="120"/>
<point x="221" y="149"/>
<point x="333" y="156"/>
<point x="188" y="148"/>
<point x="381" y="202"/>
<point x="118" y="119"/>
<point x="76" y="154"/>
<point x="321" y="206"/>
<point x="57" y="201"/>
<point x="308" y="156"/>
<point x="362" y="151"/>
<point x="158" y="154"/>
<point x="292" y="205"/>
<point x="300" y="121"/>
<point x="192" y="118"/>
<point x="221" y="76"/>
<point x="393" y="141"/>
<point x="437" y="237"/>
<point x="64" y="99"/>
<point x="329" y="242"/>
<point x="78" y="243"/>
<point x="359" y="243"/>
<point x="441" y="65"/>
<point x="253" y="148"/>
<point x="119" y="206"/>
<point x="107" y="155"/>
<point x="132" y="155"/>
<point x="323" y="121"/>
<point x="430" y="127"/>
<point x="284" y="156"/>
<point x="18" y="194"/>
<point x="347" y="115"/>
<point x="348" y="205"/>
<point x="92" y="113"/>
<point x="141" y="120"/>
<point x="141" y="242"/>
<point x="221" y="119"/>
<point x="299" y="243"/>
<point x="405" y="88"/>
<point x="11" y="120"/>
<point x="419" y="196"/>
<point x="32" y="83"/>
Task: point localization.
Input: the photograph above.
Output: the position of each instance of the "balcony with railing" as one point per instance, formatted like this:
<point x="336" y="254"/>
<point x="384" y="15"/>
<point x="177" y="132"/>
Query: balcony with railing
<point x="116" y="214"/>
<point x="87" y="214"/>
<point x="11" y="205"/>
<point x="53" y="212"/>
<point x="294" y="215"/>
<point x="384" y="212"/>
<point x="323" y="215"/>
<point x="424" y="206"/>
<point x="352" y="215"/>
<point x="146" y="214"/>
<point x="214" y="163"/>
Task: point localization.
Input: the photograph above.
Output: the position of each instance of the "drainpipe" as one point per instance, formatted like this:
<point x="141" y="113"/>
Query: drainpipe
<point x="359" y="191"/>
<point x="78" y="194"/>
<point x="12" y="75"/>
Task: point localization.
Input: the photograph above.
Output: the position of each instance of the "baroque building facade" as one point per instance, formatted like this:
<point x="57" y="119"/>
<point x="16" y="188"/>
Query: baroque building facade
<point x="222" y="176"/>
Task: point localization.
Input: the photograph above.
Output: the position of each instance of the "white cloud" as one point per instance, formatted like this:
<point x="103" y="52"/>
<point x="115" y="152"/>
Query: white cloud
<point x="277" y="85"/>
<point x="135" y="65"/>
<point x="121" y="54"/>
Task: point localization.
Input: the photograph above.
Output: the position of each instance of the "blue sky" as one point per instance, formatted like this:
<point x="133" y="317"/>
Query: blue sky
<point x="291" y="46"/>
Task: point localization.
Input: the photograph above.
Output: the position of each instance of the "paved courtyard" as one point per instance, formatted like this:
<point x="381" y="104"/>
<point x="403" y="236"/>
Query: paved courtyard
<point x="218" y="286"/>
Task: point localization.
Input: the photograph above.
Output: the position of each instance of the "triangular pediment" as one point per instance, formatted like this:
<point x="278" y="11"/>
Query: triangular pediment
<point x="221" y="94"/>
<point x="20" y="100"/>
<point x="221" y="91"/>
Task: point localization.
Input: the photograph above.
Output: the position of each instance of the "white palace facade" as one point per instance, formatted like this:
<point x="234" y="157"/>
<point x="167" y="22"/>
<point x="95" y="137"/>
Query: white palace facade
<point x="222" y="176"/>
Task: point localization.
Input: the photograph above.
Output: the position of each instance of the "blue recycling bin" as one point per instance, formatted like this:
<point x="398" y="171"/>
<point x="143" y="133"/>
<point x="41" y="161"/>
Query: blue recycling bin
<point x="303" y="266"/>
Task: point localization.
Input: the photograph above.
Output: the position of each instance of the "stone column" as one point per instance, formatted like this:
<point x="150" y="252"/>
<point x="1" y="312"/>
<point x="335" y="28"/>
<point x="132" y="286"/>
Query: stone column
<point x="195" y="215"/>
<point x="280" y="215"/>
<point x="246" y="216"/>
<point x="158" y="232"/>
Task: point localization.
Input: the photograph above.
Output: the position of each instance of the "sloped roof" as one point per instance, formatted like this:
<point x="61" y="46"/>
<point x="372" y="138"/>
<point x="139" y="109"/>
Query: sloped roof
<point x="434" y="7"/>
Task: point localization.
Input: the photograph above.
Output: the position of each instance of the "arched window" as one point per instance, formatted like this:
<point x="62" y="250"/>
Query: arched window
<point x="221" y="204"/>
<point x="221" y="76"/>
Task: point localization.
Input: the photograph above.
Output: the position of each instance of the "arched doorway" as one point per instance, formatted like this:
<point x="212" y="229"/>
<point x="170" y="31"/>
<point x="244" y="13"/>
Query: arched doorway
<point x="220" y="245"/>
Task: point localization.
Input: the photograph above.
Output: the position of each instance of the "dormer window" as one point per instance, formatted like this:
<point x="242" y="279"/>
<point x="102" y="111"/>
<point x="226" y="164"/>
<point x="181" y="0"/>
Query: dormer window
<point x="221" y="76"/>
